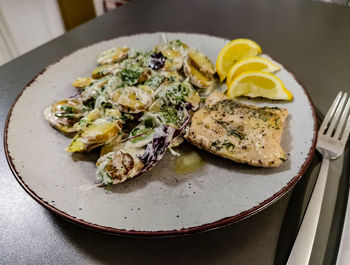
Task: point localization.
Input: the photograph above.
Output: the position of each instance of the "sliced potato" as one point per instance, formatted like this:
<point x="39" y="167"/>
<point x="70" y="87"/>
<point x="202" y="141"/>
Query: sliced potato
<point x="112" y="113"/>
<point x="118" y="166"/>
<point x="174" y="60"/>
<point x="90" y="117"/>
<point x="82" y="82"/>
<point x="145" y="75"/>
<point x="113" y="55"/>
<point x="101" y="131"/>
<point x="196" y="77"/>
<point x="113" y="145"/>
<point x="172" y="76"/>
<point x="156" y="105"/>
<point x="201" y="62"/>
<point x="133" y="99"/>
<point x="101" y="71"/>
<point x="64" y="114"/>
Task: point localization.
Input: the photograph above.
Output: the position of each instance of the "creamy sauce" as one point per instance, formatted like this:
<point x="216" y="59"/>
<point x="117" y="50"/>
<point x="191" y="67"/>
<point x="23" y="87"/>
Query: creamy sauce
<point x="188" y="162"/>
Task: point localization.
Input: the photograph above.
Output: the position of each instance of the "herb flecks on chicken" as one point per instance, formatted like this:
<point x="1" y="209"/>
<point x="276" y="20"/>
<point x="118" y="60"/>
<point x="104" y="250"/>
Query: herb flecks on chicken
<point x="242" y="133"/>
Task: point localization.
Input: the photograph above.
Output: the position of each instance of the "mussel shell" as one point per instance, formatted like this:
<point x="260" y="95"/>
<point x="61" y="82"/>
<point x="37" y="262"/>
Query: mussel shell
<point x="196" y="77"/>
<point x="64" y="114"/>
<point x="99" y="132"/>
<point x="201" y="62"/>
<point x="119" y="165"/>
<point x="82" y="82"/>
<point x="133" y="99"/>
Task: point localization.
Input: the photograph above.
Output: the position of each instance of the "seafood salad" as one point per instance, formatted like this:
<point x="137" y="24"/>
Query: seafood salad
<point x="138" y="104"/>
<point x="134" y="106"/>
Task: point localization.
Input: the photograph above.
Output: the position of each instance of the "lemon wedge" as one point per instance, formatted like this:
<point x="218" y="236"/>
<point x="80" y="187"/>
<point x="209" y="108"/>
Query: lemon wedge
<point x="233" y="52"/>
<point x="258" y="84"/>
<point x="251" y="64"/>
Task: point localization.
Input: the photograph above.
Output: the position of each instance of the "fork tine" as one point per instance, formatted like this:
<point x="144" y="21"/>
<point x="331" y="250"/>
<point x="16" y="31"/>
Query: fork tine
<point x="330" y="112"/>
<point x="345" y="136"/>
<point x="336" y="116"/>
<point x="342" y="120"/>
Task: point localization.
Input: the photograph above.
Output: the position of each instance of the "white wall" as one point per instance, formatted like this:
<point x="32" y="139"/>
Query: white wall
<point x="98" y="7"/>
<point x="27" y="24"/>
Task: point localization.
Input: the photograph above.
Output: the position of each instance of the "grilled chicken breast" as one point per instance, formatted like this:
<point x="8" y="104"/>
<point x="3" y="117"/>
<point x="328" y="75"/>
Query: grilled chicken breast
<point x="242" y="133"/>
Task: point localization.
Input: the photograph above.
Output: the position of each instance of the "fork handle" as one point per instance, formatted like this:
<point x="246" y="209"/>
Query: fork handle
<point x="301" y="251"/>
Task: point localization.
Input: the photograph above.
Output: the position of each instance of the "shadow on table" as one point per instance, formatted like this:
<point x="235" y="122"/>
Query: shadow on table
<point x="241" y="243"/>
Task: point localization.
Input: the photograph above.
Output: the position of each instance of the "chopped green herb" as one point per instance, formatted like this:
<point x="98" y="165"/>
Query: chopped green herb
<point x="231" y="131"/>
<point x="283" y="159"/>
<point x="228" y="145"/>
<point x="67" y="109"/>
<point x="129" y="77"/>
<point x="236" y="133"/>
<point x="216" y="145"/>
<point x="154" y="81"/>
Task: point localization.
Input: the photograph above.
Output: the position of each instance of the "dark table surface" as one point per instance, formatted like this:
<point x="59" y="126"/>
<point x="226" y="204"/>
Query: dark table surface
<point x="311" y="39"/>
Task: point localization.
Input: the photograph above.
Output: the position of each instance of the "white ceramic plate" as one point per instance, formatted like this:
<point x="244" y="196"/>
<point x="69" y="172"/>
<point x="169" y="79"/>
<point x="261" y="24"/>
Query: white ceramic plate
<point x="160" y="202"/>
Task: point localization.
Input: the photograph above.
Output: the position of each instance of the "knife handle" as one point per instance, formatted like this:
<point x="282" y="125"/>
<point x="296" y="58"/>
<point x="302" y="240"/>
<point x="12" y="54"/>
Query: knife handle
<point x="301" y="251"/>
<point x="344" y="247"/>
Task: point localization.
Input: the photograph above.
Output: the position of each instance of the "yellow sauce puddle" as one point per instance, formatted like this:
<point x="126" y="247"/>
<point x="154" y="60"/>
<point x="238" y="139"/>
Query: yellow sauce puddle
<point x="188" y="162"/>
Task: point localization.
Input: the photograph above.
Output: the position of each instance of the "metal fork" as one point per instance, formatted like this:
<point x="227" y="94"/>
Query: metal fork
<point x="332" y="137"/>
